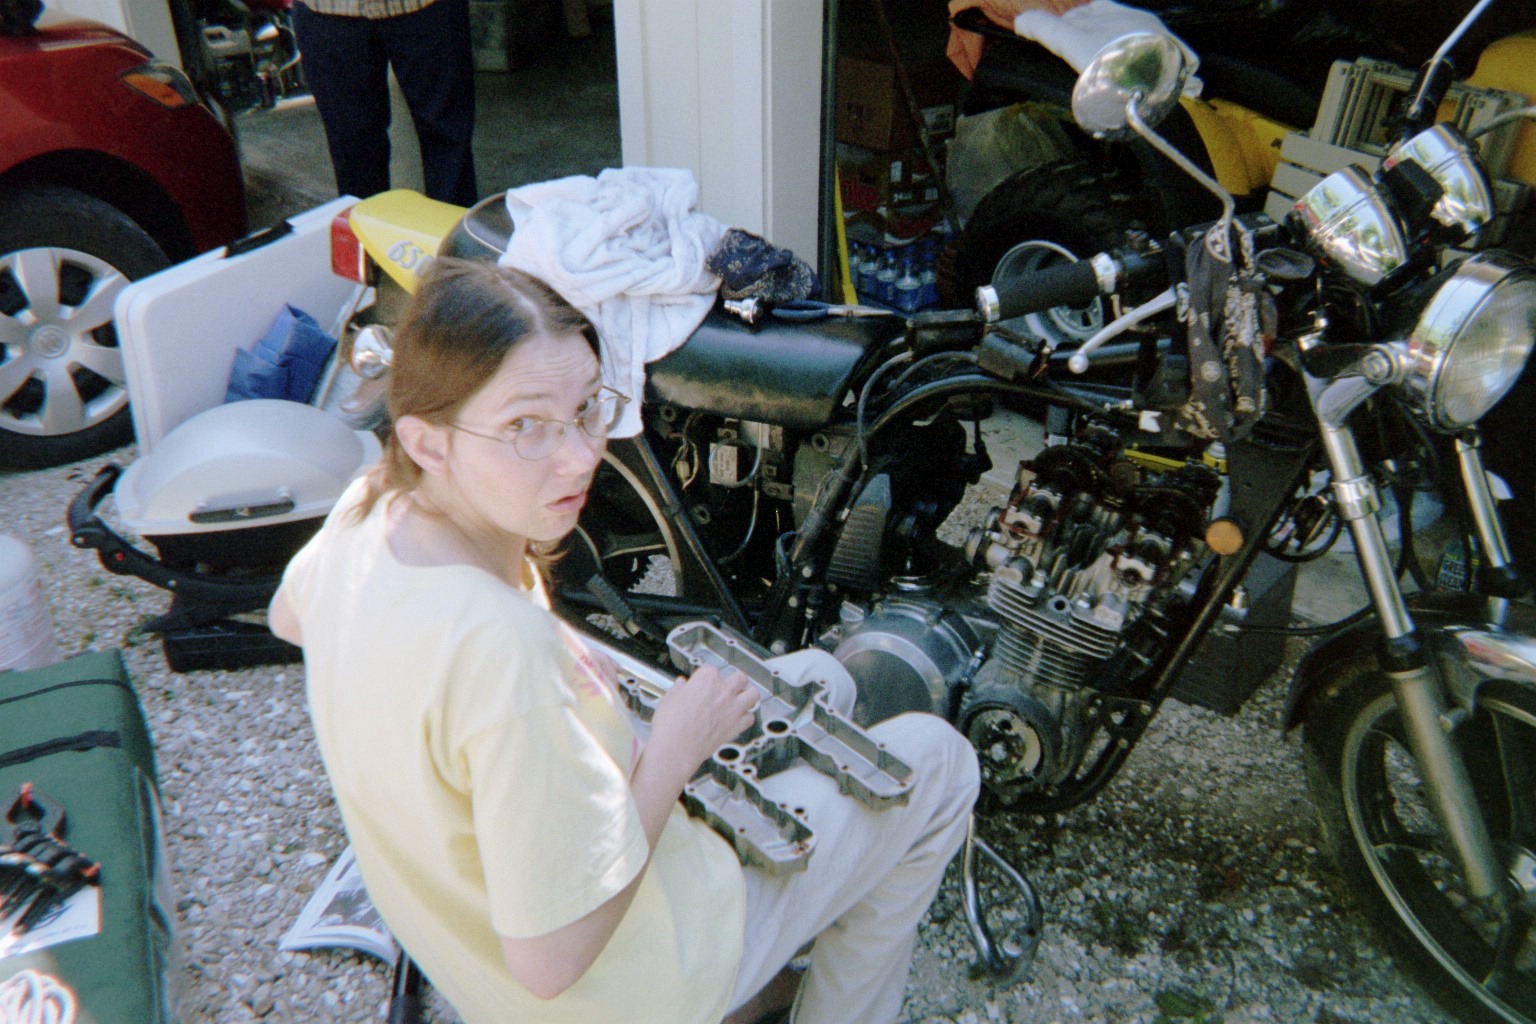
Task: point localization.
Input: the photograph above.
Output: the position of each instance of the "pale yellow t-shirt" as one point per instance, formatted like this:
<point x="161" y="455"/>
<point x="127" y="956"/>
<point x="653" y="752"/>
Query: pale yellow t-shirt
<point x="482" y="772"/>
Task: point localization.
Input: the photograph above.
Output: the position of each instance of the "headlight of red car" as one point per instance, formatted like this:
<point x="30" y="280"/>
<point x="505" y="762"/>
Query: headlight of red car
<point x="166" y="84"/>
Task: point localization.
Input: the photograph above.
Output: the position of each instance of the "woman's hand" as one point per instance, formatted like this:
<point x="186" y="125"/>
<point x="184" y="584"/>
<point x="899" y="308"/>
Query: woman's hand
<point x="700" y="713"/>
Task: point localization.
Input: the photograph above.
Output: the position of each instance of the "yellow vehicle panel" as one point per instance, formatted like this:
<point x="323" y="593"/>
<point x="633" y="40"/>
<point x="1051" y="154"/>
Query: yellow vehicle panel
<point x="401" y="230"/>
<point x="1510" y="63"/>
<point x="1244" y="146"/>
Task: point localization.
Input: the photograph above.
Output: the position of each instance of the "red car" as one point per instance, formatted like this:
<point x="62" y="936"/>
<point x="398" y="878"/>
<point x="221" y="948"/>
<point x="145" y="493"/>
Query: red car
<point x="111" y="167"/>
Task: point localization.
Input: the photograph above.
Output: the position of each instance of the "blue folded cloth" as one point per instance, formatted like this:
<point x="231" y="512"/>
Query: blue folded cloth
<point x="285" y="363"/>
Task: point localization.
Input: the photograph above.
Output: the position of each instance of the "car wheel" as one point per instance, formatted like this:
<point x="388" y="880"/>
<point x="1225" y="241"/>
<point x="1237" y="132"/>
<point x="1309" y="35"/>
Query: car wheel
<point x="64" y="257"/>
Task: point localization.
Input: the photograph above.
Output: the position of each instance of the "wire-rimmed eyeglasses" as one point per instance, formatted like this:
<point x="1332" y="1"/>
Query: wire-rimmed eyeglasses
<point x="535" y="437"/>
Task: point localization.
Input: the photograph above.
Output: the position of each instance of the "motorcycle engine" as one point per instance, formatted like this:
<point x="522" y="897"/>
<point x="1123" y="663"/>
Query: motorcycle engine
<point x="1092" y="546"/>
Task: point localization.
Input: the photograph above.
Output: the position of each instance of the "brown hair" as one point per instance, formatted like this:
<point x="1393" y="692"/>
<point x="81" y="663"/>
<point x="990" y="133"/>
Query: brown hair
<point x="463" y="320"/>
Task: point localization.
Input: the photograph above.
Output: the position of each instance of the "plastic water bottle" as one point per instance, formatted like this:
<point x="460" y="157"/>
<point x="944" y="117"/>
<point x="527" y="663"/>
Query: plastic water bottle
<point x="26" y="631"/>
<point x="908" y="289"/>
<point x="928" y="274"/>
<point x="885" y="279"/>
<point x="867" y="269"/>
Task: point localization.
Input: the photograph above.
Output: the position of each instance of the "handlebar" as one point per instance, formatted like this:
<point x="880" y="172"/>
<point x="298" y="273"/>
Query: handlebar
<point x="1066" y="284"/>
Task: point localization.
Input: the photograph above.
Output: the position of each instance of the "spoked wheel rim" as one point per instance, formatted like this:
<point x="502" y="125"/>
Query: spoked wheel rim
<point x="1064" y="325"/>
<point x="1490" y="952"/>
<point x="622" y="551"/>
<point x="61" y="369"/>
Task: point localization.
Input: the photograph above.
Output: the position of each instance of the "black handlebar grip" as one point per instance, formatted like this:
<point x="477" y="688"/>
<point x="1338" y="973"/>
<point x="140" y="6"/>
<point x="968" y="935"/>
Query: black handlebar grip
<point x="1066" y="284"/>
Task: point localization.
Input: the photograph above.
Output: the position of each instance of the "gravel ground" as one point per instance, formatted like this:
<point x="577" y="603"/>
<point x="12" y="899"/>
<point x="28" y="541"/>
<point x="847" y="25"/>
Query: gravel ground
<point x="1192" y="889"/>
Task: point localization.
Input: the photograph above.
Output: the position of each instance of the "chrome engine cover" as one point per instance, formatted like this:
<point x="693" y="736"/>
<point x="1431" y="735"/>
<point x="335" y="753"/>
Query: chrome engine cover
<point x="905" y="654"/>
<point x="1090" y="541"/>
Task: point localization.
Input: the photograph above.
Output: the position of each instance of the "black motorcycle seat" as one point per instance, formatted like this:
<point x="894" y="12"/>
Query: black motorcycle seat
<point x="784" y="372"/>
<point x="482" y="233"/>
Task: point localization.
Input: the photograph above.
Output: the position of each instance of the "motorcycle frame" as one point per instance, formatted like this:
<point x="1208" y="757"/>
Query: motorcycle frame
<point x="1264" y="479"/>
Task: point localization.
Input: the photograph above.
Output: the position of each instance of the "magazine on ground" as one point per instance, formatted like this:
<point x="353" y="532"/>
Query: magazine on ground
<point x="341" y="914"/>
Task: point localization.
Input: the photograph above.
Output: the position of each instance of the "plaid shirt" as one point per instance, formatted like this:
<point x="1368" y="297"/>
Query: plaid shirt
<point x="371" y="9"/>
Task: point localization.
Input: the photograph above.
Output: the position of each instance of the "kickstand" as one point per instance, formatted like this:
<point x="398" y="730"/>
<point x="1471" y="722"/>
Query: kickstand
<point x="1010" y="960"/>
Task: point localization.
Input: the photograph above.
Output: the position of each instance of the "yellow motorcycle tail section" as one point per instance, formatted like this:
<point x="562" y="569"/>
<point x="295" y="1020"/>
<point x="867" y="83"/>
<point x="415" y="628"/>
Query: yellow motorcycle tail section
<point x="401" y="231"/>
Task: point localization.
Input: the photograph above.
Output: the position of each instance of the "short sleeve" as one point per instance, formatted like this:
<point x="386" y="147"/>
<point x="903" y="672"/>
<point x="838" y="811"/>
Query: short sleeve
<point x="555" y="819"/>
<point x="293" y="587"/>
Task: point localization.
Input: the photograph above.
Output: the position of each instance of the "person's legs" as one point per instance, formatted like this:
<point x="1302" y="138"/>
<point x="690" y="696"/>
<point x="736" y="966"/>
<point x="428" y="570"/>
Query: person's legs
<point x="435" y="66"/>
<point x="346" y="71"/>
<point x="869" y="881"/>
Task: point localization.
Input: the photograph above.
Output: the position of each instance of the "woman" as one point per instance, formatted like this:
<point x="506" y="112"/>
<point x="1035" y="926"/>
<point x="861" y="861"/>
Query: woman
<point x="525" y="849"/>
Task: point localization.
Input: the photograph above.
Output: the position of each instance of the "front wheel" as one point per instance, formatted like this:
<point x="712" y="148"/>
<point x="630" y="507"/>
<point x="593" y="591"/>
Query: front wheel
<point x="1477" y="958"/>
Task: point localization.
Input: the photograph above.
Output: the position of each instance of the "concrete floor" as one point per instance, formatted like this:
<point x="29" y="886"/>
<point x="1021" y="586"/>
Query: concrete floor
<point x="555" y="115"/>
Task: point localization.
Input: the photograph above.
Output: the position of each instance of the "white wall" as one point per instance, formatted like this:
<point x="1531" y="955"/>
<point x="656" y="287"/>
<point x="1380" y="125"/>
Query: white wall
<point x="730" y="89"/>
<point x="146" y="21"/>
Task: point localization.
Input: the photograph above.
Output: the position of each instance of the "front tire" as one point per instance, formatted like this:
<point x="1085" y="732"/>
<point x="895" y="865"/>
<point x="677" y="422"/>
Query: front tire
<point x="64" y="258"/>
<point x="1478" y="960"/>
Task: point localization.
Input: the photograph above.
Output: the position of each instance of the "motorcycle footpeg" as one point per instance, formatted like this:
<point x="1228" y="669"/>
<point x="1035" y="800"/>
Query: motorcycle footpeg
<point x="1008" y="960"/>
<point x="628" y="617"/>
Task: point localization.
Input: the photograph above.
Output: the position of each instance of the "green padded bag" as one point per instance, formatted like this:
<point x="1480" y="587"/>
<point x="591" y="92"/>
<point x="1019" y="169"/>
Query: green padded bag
<point x="76" y="731"/>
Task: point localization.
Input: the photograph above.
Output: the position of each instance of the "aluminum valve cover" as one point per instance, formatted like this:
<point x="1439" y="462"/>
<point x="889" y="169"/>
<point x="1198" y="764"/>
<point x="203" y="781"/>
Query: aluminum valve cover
<point x="800" y="720"/>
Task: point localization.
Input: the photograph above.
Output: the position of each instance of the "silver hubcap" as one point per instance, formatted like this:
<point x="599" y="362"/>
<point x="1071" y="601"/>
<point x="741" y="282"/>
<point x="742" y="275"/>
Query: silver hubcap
<point x="60" y="368"/>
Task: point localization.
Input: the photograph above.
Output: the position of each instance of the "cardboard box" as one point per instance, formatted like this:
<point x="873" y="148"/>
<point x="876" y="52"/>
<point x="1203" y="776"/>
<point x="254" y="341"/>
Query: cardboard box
<point x="871" y="111"/>
<point x="874" y="181"/>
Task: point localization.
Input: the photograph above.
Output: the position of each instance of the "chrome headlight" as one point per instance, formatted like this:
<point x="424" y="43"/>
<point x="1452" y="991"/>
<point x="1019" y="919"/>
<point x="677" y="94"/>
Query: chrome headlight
<point x="1472" y="339"/>
<point x="1352" y="226"/>
<point x="1450" y="159"/>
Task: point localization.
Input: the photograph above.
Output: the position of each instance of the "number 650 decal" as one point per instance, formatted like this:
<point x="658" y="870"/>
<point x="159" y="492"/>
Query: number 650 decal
<point x="409" y="256"/>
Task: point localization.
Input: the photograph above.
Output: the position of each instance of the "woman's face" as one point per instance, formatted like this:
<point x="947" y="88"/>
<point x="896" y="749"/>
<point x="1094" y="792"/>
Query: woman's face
<point x="498" y="490"/>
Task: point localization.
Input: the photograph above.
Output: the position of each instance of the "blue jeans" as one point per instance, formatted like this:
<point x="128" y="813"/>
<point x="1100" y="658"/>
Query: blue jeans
<point x="346" y="63"/>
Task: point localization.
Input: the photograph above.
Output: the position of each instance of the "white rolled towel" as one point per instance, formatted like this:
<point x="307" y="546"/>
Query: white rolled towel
<point x="1077" y="35"/>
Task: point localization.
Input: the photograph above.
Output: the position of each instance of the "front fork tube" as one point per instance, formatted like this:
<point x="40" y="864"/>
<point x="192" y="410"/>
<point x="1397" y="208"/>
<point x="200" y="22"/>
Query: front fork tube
<point x="1485" y="517"/>
<point x="1412" y="671"/>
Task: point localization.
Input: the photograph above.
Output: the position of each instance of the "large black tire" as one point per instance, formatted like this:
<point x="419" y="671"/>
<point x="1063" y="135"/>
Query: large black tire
<point x="64" y="257"/>
<point x="1389" y="848"/>
<point x="1066" y="204"/>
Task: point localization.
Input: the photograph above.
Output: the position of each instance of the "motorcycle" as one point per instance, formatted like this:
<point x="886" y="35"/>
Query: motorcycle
<point x="793" y="480"/>
<point x="242" y="54"/>
<point x="1305" y="88"/>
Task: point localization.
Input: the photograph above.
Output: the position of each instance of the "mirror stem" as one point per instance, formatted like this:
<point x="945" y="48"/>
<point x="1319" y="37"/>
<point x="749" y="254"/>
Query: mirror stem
<point x="1220" y="244"/>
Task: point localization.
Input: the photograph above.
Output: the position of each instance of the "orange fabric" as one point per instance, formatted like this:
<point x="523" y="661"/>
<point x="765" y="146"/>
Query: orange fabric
<point x="964" y="48"/>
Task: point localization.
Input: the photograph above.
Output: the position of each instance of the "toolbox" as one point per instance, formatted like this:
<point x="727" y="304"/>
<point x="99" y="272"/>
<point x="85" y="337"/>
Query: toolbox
<point x="74" y="733"/>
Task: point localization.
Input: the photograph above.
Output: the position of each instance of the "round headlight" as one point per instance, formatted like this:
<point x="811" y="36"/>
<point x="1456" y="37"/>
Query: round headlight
<point x="1351" y="225"/>
<point x="1472" y="339"/>
<point x="1449" y="158"/>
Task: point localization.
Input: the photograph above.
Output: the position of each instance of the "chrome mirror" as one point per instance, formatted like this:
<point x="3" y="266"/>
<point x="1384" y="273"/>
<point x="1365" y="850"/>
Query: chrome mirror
<point x="1144" y="69"/>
